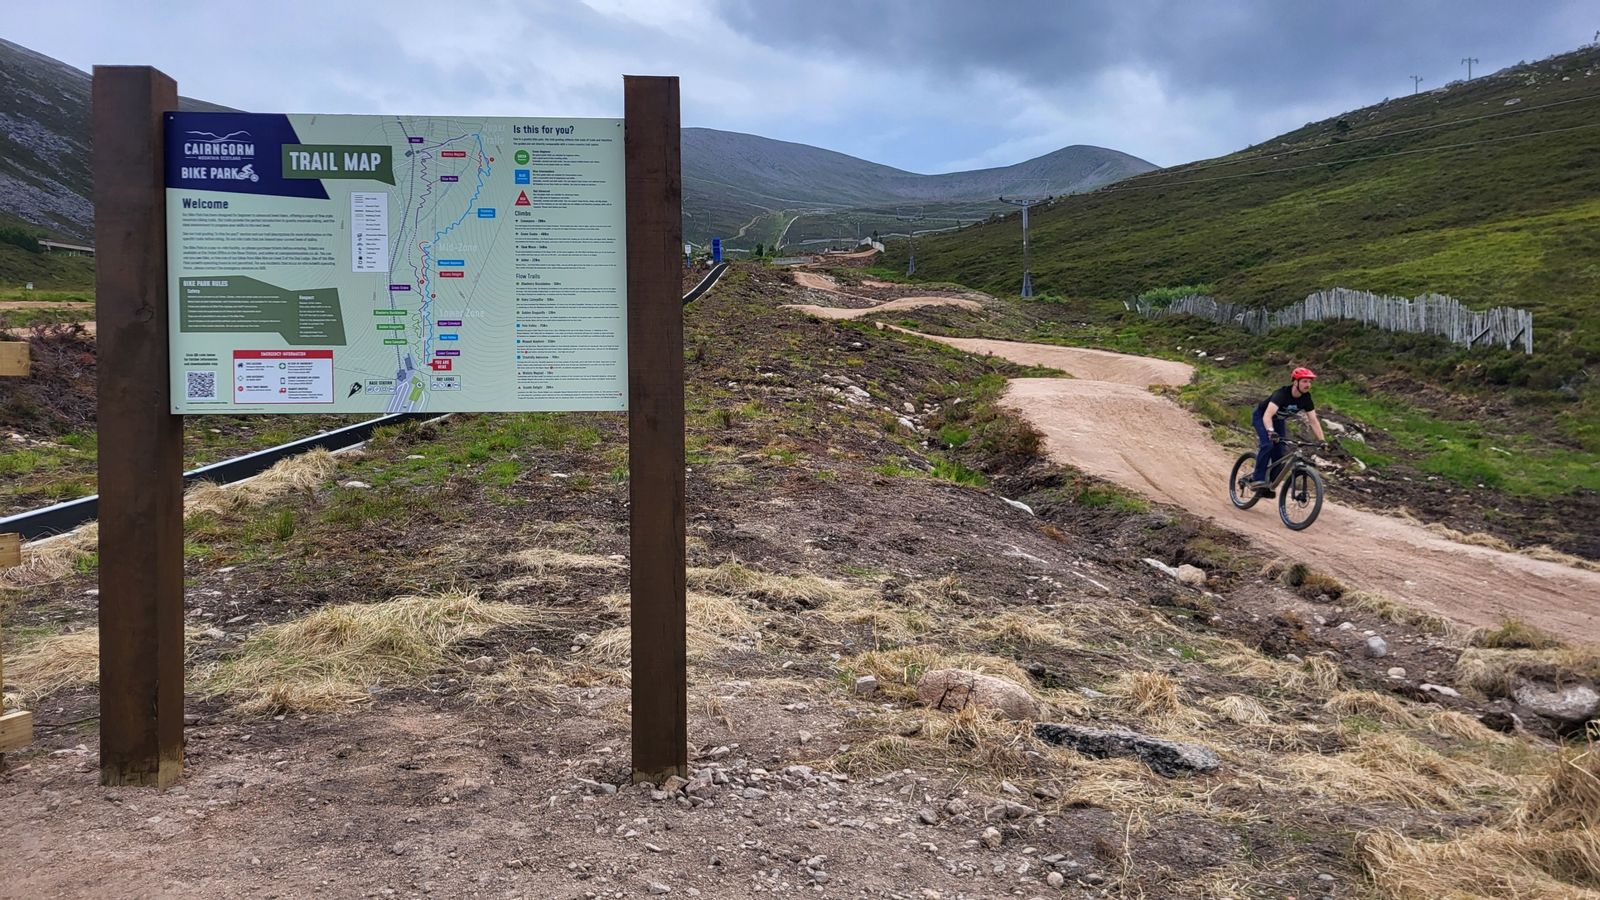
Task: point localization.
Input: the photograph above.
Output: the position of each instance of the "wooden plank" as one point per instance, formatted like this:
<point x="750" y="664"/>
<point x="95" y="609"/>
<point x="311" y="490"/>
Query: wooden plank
<point x="655" y="428"/>
<point x="14" y="359"/>
<point x="141" y="441"/>
<point x="16" y="730"/>
<point x="10" y="551"/>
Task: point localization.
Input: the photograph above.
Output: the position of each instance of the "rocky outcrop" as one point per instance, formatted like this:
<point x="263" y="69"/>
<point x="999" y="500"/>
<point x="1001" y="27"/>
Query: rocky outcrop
<point x="1168" y="758"/>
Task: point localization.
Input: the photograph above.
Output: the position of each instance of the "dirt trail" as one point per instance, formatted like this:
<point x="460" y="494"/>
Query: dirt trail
<point x="1105" y="421"/>
<point x="826" y="283"/>
<point x="45" y="304"/>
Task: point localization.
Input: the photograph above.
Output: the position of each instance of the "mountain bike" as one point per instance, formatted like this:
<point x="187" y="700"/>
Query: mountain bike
<point x="1294" y="476"/>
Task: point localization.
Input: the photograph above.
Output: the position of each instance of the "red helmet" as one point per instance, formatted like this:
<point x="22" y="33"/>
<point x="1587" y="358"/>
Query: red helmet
<point x="1302" y="372"/>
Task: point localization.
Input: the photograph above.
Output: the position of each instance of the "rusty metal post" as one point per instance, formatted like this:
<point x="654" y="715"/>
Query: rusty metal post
<point x="655" y="427"/>
<point x="141" y="441"/>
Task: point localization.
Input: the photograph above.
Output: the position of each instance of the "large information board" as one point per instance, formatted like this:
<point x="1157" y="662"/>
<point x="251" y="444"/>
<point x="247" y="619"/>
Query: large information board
<point x="367" y="264"/>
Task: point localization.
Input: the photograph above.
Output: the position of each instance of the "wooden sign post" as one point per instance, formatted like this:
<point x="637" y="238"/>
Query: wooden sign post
<point x="16" y="727"/>
<point x="655" y="428"/>
<point x="141" y="441"/>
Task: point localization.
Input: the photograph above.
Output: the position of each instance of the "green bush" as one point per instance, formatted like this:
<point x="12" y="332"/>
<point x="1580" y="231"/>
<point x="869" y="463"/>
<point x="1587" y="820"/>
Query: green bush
<point x="1161" y="298"/>
<point x="18" y="237"/>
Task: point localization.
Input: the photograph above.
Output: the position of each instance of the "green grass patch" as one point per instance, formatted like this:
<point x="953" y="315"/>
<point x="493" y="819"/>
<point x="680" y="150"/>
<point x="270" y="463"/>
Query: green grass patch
<point x="952" y="470"/>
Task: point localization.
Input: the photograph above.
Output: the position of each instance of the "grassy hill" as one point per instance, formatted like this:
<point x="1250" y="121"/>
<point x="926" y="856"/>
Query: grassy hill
<point x="748" y="189"/>
<point x="1487" y="190"/>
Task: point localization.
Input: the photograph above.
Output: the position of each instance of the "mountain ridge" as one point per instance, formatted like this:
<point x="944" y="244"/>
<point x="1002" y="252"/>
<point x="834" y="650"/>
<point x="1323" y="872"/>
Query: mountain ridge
<point x="744" y="188"/>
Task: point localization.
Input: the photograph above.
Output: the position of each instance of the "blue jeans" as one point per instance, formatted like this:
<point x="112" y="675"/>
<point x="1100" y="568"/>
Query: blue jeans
<point x="1270" y="451"/>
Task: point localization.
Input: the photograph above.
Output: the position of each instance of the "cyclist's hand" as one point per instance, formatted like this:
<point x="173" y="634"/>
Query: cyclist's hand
<point x="1276" y="437"/>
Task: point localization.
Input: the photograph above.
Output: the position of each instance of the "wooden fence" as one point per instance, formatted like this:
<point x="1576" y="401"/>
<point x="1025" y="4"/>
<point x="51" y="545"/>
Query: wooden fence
<point x="1427" y="314"/>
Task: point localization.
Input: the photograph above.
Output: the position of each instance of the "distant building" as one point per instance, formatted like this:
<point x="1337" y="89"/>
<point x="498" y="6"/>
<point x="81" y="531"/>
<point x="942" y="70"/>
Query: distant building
<point x="69" y="249"/>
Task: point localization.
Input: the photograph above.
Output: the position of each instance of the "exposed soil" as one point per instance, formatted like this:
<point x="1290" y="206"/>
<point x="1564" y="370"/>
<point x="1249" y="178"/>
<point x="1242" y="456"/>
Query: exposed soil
<point x="447" y="789"/>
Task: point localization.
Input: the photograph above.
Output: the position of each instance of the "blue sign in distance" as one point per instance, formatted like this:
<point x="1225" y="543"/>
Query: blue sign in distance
<point x="716" y="249"/>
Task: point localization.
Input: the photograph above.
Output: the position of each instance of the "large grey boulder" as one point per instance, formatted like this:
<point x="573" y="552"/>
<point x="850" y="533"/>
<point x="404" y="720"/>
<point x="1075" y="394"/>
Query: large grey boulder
<point x="1574" y="703"/>
<point x="1168" y="758"/>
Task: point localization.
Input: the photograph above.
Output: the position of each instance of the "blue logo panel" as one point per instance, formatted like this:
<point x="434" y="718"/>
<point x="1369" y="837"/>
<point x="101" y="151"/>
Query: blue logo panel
<point x="239" y="153"/>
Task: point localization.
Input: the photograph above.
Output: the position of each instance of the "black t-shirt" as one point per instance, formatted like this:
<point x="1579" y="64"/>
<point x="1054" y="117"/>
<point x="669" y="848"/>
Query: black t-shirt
<point x="1288" y="403"/>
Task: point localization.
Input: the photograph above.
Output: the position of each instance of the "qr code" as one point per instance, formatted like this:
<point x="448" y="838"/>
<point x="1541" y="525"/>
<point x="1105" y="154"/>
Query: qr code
<point x="202" y="385"/>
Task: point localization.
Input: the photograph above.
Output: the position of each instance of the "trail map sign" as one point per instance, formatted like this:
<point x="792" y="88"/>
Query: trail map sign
<point x="368" y="264"/>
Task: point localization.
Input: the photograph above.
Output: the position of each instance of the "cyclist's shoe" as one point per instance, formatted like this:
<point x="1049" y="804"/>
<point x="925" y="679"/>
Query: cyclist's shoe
<point x="1269" y="493"/>
<point x="1257" y="486"/>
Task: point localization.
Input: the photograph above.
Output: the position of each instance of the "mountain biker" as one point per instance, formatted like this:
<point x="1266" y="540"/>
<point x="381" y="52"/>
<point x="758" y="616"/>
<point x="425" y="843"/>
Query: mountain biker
<point x="1270" y="417"/>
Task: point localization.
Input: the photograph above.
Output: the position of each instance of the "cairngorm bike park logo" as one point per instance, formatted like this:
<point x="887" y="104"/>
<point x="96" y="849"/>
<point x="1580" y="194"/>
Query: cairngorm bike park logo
<point x="211" y="155"/>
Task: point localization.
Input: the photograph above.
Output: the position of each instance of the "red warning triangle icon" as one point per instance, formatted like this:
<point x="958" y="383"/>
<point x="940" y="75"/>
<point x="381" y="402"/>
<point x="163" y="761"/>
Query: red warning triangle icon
<point x="522" y="199"/>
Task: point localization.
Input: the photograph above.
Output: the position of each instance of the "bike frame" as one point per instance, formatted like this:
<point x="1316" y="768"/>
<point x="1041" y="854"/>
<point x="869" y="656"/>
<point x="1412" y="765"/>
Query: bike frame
<point x="1288" y="464"/>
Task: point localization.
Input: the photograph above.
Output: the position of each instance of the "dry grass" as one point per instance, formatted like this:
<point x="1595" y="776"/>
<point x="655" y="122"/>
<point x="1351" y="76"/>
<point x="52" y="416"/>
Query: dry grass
<point x="1475" y="538"/>
<point x="1460" y="725"/>
<point x="1317" y="676"/>
<point x="1568" y="796"/>
<point x="1157" y="699"/>
<point x="55" y="663"/>
<point x="889" y="624"/>
<point x="1385" y="768"/>
<point x="337" y="654"/>
<point x="897" y="670"/>
<point x="305" y="472"/>
<point x="714" y="622"/>
<point x="1514" y="634"/>
<point x="973" y="741"/>
<point x="1371" y="705"/>
<point x="1023" y="628"/>
<point x="902" y="618"/>
<point x="1390" y="610"/>
<point x="1550" y="554"/>
<point x="55" y="558"/>
<point x="1496" y="672"/>
<point x="1306" y="581"/>
<point x="528" y="679"/>
<point x="1486" y="864"/>
<point x="1548" y="848"/>
<point x="51" y="559"/>
<point x="546" y="560"/>
<point x="734" y="579"/>
<point x="1240" y="710"/>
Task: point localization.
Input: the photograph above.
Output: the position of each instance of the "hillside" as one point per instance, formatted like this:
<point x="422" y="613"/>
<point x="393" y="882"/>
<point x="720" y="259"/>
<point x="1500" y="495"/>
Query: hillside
<point x="1488" y="191"/>
<point x="44" y="143"/>
<point x="741" y="187"/>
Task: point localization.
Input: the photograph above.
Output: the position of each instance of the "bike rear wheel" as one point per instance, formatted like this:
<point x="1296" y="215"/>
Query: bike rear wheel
<point x="1300" y="498"/>
<point x="1239" y="480"/>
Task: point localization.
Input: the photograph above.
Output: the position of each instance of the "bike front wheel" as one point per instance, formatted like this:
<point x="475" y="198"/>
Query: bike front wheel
<point x="1300" y="498"/>
<point x="1239" y="480"/>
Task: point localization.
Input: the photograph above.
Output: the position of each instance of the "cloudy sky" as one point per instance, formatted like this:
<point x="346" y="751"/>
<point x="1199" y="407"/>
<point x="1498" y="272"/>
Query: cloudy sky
<point x="924" y="85"/>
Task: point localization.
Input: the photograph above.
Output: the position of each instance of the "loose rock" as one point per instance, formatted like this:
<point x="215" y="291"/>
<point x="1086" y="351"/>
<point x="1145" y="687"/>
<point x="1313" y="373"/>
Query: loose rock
<point x="1168" y="758"/>
<point x="1575" y="703"/>
<point x="953" y="690"/>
